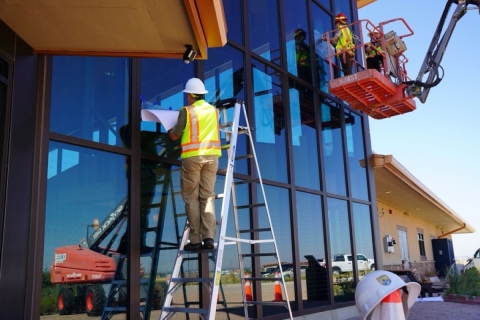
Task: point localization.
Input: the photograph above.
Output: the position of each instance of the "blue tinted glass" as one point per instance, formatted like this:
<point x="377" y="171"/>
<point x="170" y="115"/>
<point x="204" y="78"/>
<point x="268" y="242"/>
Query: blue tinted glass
<point x="333" y="150"/>
<point x="225" y="79"/>
<point x="312" y="249"/>
<point x="90" y="98"/>
<point x="356" y="155"/>
<point x="299" y="62"/>
<point x="269" y="123"/>
<point x="278" y="201"/>
<point x="264" y="30"/>
<point x="343" y="6"/>
<point x="233" y="14"/>
<point x="304" y="137"/>
<point x="363" y="238"/>
<point x="340" y="250"/>
<point x="83" y="186"/>
<point x="322" y="23"/>
<point x="325" y="3"/>
<point x="162" y="83"/>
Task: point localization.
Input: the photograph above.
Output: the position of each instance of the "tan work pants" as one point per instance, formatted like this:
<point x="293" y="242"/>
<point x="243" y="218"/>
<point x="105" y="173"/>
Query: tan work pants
<point x="197" y="182"/>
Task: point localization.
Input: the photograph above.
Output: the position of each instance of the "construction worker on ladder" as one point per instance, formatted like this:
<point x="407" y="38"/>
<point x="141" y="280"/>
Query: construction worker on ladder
<point x="343" y="42"/>
<point x="197" y="126"/>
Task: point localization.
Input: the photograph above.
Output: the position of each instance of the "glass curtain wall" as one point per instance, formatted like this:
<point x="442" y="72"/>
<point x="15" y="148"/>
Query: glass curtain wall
<point x="311" y="153"/>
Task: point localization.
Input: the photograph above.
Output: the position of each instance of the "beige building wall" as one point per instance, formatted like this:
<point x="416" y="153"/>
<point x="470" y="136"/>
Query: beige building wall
<point x="391" y="220"/>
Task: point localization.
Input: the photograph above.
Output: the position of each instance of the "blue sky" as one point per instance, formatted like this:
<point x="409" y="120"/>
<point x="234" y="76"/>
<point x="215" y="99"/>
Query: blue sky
<point x="439" y="143"/>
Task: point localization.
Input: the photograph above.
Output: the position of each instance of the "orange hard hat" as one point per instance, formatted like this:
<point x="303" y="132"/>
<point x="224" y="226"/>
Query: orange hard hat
<point x="341" y="17"/>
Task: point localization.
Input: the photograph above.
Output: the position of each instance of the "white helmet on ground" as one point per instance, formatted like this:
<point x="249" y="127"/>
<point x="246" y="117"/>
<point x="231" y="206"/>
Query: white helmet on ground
<point x="195" y="86"/>
<point x="377" y="285"/>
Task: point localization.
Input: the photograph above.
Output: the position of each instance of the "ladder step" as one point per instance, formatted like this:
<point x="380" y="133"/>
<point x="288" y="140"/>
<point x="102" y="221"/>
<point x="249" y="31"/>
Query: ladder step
<point x="262" y="279"/>
<point x="266" y="303"/>
<point x="196" y="251"/>
<point x="255" y="230"/>
<point x="266" y="254"/>
<point x="253" y="205"/>
<point x="246" y="181"/>
<point x="186" y="280"/>
<point x="185" y="310"/>
<point x="247" y="156"/>
<point x="225" y="125"/>
<point x="219" y="196"/>
<point x="179" y="215"/>
<point x="251" y="241"/>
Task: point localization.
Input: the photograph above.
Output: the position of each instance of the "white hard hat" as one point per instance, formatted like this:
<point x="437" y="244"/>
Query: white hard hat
<point x="195" y="86"/>
<point x="377" y="285"/>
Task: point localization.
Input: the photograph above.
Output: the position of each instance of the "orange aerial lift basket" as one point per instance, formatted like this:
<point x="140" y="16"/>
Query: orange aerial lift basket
<point x="379" y="94"/>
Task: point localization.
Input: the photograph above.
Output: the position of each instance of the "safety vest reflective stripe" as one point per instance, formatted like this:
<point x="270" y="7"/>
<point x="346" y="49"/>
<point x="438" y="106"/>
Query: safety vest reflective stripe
<point x="201" y="133"/>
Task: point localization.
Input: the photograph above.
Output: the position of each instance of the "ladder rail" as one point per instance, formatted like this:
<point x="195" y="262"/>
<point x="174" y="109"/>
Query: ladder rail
<point x="252" y="145"/>
<point x="225" y="207"/>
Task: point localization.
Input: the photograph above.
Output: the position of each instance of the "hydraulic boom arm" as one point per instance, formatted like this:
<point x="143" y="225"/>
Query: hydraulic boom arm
<point x="431" y="65"/>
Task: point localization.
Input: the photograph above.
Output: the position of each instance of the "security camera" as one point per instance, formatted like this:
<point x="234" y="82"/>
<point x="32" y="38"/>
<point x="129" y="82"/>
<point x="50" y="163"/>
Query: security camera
<point x="189" y="54"/>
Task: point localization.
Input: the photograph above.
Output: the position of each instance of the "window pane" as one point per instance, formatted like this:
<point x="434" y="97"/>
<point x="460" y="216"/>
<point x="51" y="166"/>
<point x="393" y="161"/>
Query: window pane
<point x="343" y="6"/>
<point x="325" y="3"/>
<point x="264" y="30"/>
<point x="363" y="238"/>
<point x="356" y="155"/>
<point x="163" y="81"/>
<point x="83" y="185"/>
<point x="90" y="98"/>
<point x="4" y="66"/>
<point x="278" y="200"/>
<point x="333" y="150"/>
<point x="343" y="283"/>
<point x="224" y="79"/>
<point x="297" y="40"/>
<point x="233" y="14"/>
<point x="312" y="250"/>
<point x="304" y="137"/>
<point x="269" y="122"/>
<point x="322" y="22"/>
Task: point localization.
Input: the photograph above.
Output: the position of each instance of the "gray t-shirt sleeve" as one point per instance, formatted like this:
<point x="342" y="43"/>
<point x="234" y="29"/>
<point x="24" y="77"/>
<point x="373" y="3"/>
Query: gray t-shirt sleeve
<point x="181" y="122"/>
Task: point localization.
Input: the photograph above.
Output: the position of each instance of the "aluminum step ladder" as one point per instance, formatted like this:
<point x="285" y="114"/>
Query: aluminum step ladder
<point x="231" y="131"/>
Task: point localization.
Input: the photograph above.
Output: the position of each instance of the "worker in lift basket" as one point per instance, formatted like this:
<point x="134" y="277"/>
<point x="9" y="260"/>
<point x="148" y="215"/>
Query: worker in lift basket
<point x="373" y="51"/>
<point x="197" y="127"/>
<point x="343" y="42"/>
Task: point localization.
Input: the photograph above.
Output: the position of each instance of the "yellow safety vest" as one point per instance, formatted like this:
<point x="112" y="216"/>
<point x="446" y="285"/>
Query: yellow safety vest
<point x="374" y="52"/>
<point x="345" y="41"/>
<point x="201" y="134"/>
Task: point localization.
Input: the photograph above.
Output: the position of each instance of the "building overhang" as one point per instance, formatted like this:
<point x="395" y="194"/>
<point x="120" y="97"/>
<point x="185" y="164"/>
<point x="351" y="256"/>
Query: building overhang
<point x="132" y="28"/>
<point x="396" y="187"/>
<point x="363" y="3"/>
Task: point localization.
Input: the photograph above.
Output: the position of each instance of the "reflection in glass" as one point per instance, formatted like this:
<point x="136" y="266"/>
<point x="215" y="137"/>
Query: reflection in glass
<point x="333" y="150"/>
<point x="264" y="29"/>
<point x="269" y="123"/>
<point x="297" y="45"/>
<point x="163" y="81"/>
<point x="340" y="250"/>
<point x="233" y="14"/>
<point x="278" y="201"/>
<point x="325" y="3"/>
<point x="224" y="79"/>
<point x="312" y="250"/>
<point x="363" y="238"/>
<point x="322" y="22"/>
<point x="90" y="98"/>
<point x="356" y="155"/>
<point x="85" y="187"/>
<point x="304" y="137"/>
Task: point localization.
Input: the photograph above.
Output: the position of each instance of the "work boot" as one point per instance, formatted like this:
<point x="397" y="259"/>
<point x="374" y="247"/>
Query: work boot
<point x="208" y="243"/>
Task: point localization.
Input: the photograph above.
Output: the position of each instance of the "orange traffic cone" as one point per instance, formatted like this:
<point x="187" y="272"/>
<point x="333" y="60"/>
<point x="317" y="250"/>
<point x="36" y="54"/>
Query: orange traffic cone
<point x="248" y="289"/>
<point x="277" y="289"/>
<point x="391" y="307"/>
